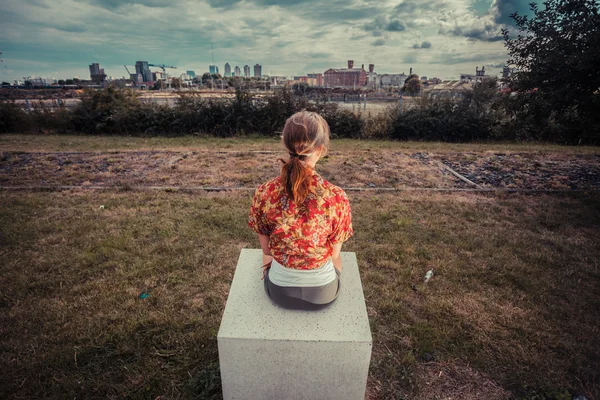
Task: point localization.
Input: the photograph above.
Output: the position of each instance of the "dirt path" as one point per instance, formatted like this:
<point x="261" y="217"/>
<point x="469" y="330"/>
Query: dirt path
<point x="381" y="169"/>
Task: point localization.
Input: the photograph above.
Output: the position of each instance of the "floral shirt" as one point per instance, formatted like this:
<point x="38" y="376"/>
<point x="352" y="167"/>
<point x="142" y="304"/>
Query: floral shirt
<point x="301" y="237"/>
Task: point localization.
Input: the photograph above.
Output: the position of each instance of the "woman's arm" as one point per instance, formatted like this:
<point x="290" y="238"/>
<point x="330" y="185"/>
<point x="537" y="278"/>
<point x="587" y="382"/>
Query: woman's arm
<point x="335" y="257"/>
<point x="264" y="244"/>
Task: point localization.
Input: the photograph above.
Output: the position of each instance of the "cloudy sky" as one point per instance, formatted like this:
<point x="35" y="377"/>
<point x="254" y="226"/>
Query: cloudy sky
<point x="60" y="38"/>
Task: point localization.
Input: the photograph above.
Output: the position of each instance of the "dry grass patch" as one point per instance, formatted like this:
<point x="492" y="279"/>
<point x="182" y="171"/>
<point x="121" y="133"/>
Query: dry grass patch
<point x="33" y="143"/>
<point x="512" y="309"/>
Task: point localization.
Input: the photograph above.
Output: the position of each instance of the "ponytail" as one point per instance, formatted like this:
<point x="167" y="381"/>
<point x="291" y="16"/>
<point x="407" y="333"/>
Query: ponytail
<point x="295" y="177"/>
<point x="303" y="133"/>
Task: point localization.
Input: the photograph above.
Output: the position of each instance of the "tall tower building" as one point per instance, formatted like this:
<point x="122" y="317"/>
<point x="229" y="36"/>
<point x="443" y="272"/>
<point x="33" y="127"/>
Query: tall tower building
<point x="96" y="73"/>
<point x="227" y="69"/>
<point x="257" y="70"/>
<point x="142" y="68"/>
<point x="237" y="71"/>
<point x="246" y="71"/>
<point x="213" y="69"/>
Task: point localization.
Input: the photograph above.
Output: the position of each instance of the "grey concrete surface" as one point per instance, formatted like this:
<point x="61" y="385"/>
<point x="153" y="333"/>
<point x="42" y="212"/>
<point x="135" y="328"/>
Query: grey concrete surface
<point x="268" y="352"/>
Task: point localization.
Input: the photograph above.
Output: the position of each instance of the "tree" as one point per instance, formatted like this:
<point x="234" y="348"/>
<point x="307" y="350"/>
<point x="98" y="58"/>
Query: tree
<point x="61" y="82"/>
<point x="412" y="85"/>
<point x="556" y="56"/>
<point x="176" y="83"/>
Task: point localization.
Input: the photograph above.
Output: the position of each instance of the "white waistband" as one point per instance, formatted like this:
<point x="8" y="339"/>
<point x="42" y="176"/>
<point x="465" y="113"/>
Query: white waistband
<point x="286" y="277"/>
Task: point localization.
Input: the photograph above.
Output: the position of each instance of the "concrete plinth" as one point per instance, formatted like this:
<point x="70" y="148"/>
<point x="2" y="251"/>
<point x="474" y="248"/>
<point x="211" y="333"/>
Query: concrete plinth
<point x="268" y="352"/>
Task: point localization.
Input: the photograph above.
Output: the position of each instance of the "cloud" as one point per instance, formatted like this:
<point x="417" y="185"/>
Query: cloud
<point x="496" y="65"/>
<point x="410" y="7"/>
<point x="382" y="23"/>
<point x="423" y="45"/>
<point x="504" y="8"/>
<point x="467" y="25"/>
<point x="409" y="59"/>
<point x="452" y="58"/>
<point x="115" y="4"/>
<point x="287" y="37"/>
<point x="395" y="26"/>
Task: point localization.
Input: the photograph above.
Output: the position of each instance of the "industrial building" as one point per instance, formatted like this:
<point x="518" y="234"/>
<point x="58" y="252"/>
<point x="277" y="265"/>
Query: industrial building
<point x="345" y="77"/>
<point x="376" y="81"/>
<point x="257" y="70"/>
<point x="227" y="69"/>
<point x="478" y="77"/>
<point x="315" y="79"/>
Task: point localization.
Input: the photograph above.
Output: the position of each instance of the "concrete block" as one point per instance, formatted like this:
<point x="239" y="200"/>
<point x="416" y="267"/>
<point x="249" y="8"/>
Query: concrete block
<point x="268" y="352"/>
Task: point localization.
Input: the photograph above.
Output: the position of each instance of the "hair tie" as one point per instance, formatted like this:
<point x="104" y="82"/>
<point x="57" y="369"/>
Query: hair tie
<point x="294" y="155"/>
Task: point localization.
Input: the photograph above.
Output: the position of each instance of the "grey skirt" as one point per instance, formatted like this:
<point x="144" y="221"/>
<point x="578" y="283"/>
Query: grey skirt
<point x="304" y="298"/>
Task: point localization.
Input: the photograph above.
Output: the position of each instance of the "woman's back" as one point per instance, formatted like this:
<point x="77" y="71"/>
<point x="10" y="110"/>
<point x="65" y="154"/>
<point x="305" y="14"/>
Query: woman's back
<point x="301" y="236"/>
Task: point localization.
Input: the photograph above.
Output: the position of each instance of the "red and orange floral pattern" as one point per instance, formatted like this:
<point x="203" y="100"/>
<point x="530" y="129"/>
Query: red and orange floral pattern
<point x="301" y="236"/>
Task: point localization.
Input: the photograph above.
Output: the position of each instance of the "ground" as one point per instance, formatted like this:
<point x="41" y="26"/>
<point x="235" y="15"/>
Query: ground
<point x="114" y="287"/>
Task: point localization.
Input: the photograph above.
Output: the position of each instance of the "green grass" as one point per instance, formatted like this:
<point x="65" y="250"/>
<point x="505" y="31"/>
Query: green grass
<point x="513" y="300"/>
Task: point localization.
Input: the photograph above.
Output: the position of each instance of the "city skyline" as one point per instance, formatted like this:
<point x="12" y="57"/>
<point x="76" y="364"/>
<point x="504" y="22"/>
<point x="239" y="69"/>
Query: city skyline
<point x="60" y="38"/>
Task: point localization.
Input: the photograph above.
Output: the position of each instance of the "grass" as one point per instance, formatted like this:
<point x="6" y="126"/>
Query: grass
<point x="24" y="142"/>
<point x="125" y="300"/>
<point x="511" y="311"/>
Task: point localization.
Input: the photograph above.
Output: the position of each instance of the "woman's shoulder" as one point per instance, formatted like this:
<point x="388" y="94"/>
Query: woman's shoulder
<point x="269" y="186"/>
<point x="330" y="190"/>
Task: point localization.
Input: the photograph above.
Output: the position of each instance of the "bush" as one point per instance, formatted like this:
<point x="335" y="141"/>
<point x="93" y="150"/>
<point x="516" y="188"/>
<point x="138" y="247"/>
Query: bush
<point x="481" y="114"/>
<point x="13" y="118"/>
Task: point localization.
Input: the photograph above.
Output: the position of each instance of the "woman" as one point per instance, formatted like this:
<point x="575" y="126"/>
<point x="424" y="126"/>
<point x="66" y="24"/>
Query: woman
<point x="302" y="221"/>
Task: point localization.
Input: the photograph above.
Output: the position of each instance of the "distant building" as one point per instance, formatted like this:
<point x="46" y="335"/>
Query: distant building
<point x="213" y="69"/>
<point x="257" y="70"/>
<point x="346" y="77"/>
<point x="227" y="69"/>
<point x="315" y="79"/>
<point x="507" y="71"/>
<point x="96" y="73"/>
<point x="191" y="74"/>
<point x="246" y="71"/>
<point x="396" y="80"/>
<point x="237" y="71"/>
<point x="478" y="77"/>
<point x="136" y="78"/>
<point x="157" y="76"/>
<point x="142" y="68"/>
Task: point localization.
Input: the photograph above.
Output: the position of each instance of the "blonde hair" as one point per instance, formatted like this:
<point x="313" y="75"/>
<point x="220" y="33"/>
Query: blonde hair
<point x="303" y="133"/>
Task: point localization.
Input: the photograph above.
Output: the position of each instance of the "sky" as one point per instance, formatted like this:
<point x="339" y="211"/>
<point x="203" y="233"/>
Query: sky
<point x="441" y="38"/>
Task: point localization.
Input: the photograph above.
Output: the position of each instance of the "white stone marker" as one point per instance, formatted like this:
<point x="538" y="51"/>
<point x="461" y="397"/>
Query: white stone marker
<point x="269" y="352"/>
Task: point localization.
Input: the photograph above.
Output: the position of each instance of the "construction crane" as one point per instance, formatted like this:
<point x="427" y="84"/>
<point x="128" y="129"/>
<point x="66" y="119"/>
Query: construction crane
<point x="162" y="66"/>
<point x="129" y="75"/>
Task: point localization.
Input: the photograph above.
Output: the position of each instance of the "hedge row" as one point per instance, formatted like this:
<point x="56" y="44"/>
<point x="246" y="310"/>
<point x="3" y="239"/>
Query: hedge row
<point x="482" y="114"/>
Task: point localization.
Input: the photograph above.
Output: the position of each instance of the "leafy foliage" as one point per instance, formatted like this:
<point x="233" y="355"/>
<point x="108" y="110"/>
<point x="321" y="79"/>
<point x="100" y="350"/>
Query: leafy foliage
<point x="557" y="60"/>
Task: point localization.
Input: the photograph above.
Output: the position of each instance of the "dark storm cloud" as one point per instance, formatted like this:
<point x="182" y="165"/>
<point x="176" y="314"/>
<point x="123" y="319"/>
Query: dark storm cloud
<point x="381" y="23"/>
<point x="504" y="8"/>
<point x="423" y="45"/>
<point x="395" y="26"/>
<point x="114" y="4"/>
<point x="487" y="33"/>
